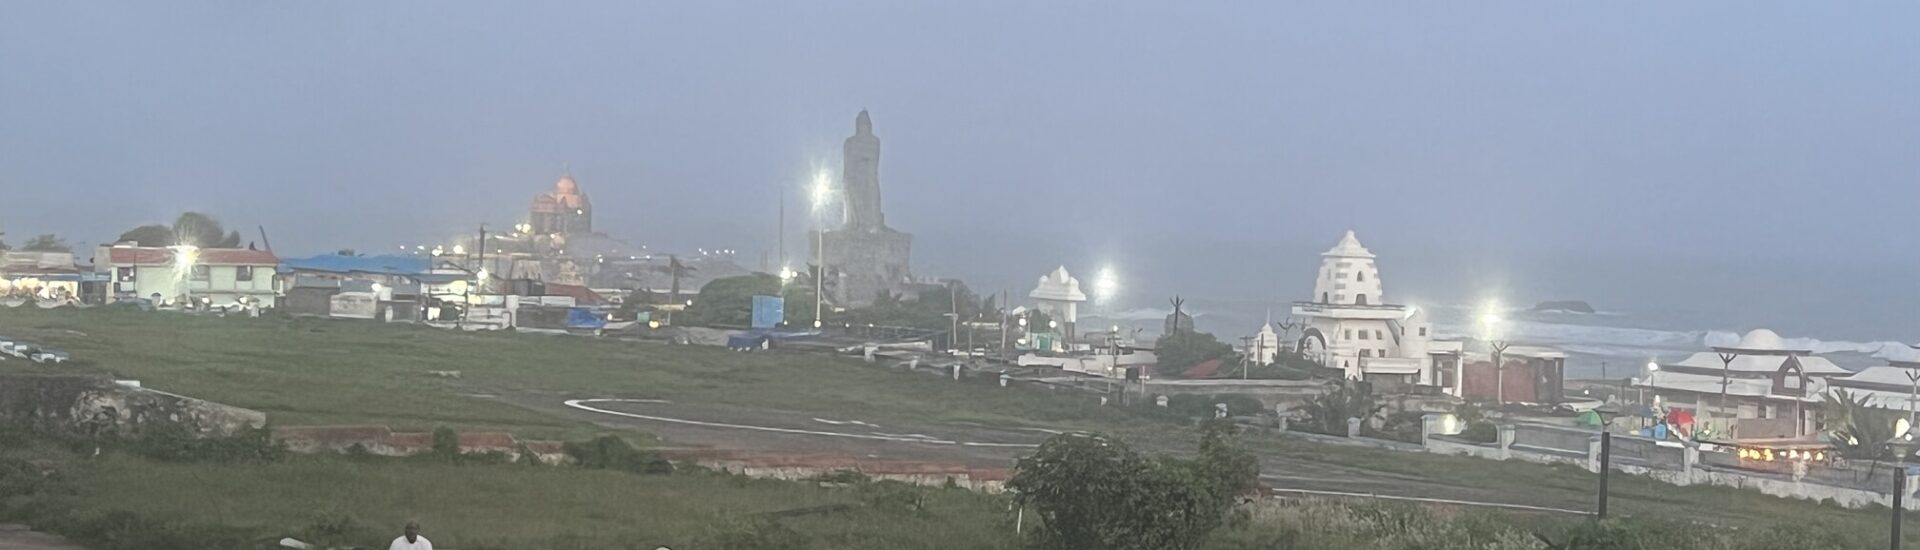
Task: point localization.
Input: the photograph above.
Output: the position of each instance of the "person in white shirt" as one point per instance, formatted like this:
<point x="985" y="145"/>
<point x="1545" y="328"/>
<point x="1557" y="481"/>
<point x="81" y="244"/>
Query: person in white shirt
<point x="412" y="540"/>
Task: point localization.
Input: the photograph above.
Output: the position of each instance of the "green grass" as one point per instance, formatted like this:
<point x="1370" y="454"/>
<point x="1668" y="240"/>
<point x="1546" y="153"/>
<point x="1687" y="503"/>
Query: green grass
<point x="313" y="371"/>
<point x="365" y="502"/>
<point x="351" y="372"/>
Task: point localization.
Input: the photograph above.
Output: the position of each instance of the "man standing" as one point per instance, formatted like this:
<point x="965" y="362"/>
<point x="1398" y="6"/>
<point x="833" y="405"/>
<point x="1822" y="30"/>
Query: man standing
<point x="412" y="540"/>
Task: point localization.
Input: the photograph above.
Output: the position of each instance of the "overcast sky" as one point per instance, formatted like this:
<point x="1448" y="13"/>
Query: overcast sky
<point x="1719" y="133"/>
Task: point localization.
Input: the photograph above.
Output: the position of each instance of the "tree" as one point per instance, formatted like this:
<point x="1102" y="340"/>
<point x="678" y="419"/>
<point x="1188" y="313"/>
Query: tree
<point x="1327" y="413"/>
<point x="729" y="301"/>
<point x="1092" y="492"/>
<point x="202" y="230"/>
<point x="46" y="242"/>
<point x="191" y="228"/>
<point x="1858" y="429"/>
<point x="1179" y="350"/>
<point x="148" y="235"/>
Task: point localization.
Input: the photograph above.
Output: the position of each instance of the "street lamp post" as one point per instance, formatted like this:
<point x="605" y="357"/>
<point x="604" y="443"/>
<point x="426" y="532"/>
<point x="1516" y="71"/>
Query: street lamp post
<point x="1726" y="370"/>
<point x="1499" y="372"/>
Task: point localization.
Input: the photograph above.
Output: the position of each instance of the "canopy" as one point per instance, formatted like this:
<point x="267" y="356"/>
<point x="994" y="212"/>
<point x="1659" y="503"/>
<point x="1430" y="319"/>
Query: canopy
<point x="1591" y="418"/>
<point x="1680" y="417"/>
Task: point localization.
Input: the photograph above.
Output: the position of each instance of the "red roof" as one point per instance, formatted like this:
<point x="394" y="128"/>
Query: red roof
<point x="153" y="255"/>
<point x="582" y="296"/>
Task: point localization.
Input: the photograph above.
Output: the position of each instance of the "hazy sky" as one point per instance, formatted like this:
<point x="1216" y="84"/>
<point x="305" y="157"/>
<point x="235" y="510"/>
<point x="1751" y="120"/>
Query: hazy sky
<point x="1745" y="135"/>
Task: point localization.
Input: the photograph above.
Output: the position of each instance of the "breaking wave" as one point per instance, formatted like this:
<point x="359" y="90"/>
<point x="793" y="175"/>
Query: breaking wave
<point x="1639" y="342"/>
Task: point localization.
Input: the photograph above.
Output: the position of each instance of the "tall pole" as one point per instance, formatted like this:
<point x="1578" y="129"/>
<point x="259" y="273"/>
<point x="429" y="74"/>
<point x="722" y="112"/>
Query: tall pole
<point x="819" y="273"/>
<point x="953" y="305"/>
<point x="481" y="247"/>
<point x="1899" y="504"/>
<point x="1606" y="466"/>
<point x="1003" y="324"/>
<point x="1499" y="372"/>
<point x="1912" y="376"/>
<point x="783" y="227"/>
<point x="1726" y="368"/>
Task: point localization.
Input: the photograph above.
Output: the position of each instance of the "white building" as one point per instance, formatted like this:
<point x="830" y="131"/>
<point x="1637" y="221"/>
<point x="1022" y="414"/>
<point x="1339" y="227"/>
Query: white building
<point x="1761" y="378"/>
<point x="1058" y="295"/>
<point x="1350" y="326"/>
<point x="214" y="277"/>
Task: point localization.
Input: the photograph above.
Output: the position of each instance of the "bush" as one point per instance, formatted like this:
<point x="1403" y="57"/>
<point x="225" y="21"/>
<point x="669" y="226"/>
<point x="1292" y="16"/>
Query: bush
<point x="172" y="443"/>
<point x="1481" y="432"/>
<point x="612" y="453"/>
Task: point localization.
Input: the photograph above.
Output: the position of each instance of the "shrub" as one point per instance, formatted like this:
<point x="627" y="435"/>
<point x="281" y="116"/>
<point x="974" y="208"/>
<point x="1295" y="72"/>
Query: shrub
<point x="612" y="453"/>
<point x="172" y="443"/>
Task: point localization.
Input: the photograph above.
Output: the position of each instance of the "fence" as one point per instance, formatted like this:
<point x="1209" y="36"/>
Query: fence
<point x="1851" y="486"/>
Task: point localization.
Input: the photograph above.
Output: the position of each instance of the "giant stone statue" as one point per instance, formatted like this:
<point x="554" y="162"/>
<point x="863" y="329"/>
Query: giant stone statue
<point x="860" y="176"/>
<point x="864" y="258"/>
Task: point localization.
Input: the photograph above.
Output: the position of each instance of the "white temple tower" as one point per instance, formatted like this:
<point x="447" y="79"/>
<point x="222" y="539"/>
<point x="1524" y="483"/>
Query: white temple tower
<point x="1059" y="296"/>
<point x="1349" y="325"/>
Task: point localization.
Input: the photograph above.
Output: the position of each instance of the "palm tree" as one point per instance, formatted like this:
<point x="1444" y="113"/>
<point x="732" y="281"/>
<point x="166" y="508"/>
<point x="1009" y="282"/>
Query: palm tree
<point x="1855" y="427"/>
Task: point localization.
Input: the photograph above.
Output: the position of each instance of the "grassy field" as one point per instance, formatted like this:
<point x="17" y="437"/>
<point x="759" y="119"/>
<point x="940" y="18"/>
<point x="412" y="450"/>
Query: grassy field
<point x="313" y="371"/>
<point x="342" y="372"/>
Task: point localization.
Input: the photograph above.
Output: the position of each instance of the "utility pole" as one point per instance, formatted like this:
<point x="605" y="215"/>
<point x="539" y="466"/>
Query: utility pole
<point x="953" y="305"/>
<point x="1246" y="362"/>
<point x="1606" y="466"/>
<point x="819" y="273"/>
<point x="1003" y="324"/>
<point x="783" y="227"/>
<point x="1499" y="372"/>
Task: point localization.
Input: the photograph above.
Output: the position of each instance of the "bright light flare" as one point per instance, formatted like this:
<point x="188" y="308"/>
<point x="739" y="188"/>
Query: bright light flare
<point x="1107" y="284"/>
<point x="820" y="191"/>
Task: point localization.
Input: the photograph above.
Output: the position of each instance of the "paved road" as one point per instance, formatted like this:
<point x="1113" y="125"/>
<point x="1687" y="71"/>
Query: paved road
<point x="755" y="429"/>
<point x="18" y="537"/>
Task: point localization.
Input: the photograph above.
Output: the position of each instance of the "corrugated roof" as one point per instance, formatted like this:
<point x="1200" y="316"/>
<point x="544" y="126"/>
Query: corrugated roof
<point x="335" y="263"/>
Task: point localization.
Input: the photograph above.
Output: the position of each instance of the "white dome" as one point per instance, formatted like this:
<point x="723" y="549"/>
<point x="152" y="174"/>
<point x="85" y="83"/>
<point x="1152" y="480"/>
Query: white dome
<point x="1058" y="286"/>
<point x="1762" y="339"/>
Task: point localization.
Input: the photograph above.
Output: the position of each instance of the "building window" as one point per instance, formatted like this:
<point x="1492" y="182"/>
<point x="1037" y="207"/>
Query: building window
<point x="1360" y="299"/>
<point x="1340" y="275"/>
<point x="123" y="274"/>
<point x="1349" y="334"/>
<point x="1323" y="297"/>
<point x="1377" y="335"/>
<point x="201" y="272"/>
<point x="1339" y="297"/>
<point x="1363" y="335"/>
<point x="1383" y="353"/>
<point x="1423" y="331"/>
<point x="1339" y="286"/>
<point x="1366" y="352"/>
<point x="1360" y="276"/>
<point x="243" y="273"/>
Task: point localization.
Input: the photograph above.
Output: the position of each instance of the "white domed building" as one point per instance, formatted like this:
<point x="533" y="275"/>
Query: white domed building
<point x="1350" y="326"/>
<point x="1058" y="295"/>
<point x="1764" y="386"/>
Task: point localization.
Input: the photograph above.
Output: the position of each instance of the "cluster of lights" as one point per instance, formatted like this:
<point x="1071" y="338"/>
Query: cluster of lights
<point x="1768" y="455"/>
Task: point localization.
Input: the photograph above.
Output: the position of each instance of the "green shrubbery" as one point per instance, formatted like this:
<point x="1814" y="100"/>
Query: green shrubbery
<point x="612" y="453"/>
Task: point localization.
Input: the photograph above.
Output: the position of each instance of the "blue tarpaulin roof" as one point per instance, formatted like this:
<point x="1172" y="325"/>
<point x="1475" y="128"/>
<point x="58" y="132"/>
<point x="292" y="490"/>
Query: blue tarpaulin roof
<point x="390" y="265"/>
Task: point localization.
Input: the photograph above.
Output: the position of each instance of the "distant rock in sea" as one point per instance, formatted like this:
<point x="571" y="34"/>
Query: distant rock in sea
<point x="1563" y="306"/>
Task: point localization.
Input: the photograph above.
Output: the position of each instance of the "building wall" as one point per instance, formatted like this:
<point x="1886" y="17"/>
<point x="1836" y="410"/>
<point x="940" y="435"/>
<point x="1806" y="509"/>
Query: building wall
<point x="1527" y="380"/>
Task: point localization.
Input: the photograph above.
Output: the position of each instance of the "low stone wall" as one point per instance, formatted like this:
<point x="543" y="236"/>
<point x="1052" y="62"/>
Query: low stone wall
<point x="800" y="466"/>
<point x="383" y="441"/>
<point x="95" y="405"/>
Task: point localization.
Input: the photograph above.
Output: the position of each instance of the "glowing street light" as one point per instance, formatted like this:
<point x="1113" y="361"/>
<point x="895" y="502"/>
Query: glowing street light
<point x="459" y="250"/>
<point x="1491" y="323"/>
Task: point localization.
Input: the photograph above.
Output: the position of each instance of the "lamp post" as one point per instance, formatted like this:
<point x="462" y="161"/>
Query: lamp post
<point x="1726" y="370"/>
<point x="1499" y="371"/>
<point x="1653" y="371"/>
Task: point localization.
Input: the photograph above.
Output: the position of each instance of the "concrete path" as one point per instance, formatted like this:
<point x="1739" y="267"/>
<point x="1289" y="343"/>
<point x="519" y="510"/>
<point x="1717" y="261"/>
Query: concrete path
<point x="18" y="537"/>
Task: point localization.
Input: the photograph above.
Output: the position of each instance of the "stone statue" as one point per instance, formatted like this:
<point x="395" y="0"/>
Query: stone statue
<point x="860" y="177"/>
